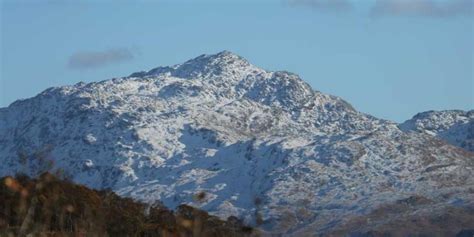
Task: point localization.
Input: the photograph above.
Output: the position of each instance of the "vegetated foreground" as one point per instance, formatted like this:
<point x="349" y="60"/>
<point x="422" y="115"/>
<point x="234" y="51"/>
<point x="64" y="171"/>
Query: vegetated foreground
<point x="49" y="206"/>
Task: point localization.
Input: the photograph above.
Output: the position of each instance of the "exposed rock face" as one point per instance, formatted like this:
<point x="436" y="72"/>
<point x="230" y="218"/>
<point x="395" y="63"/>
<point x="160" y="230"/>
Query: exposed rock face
<point x="254" y="141"/>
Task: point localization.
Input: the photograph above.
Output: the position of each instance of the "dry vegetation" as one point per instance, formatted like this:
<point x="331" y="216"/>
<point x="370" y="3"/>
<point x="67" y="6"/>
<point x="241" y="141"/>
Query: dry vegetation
<point x="48" y="206"/>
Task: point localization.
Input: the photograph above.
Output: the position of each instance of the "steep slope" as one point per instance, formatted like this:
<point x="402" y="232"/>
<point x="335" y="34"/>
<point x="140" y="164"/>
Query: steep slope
<point x="453" y="126"/>
<point x="261" y="145"/>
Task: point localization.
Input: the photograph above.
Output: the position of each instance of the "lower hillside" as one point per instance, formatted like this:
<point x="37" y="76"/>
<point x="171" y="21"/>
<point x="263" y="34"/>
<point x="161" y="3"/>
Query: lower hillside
<point x="49" y="206"/>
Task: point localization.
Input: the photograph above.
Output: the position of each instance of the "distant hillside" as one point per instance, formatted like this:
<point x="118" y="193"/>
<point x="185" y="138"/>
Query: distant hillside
<point x="48" y="206"/>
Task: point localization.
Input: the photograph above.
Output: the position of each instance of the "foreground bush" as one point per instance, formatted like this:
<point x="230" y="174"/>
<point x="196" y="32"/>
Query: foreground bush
<point x="48" y="206"/>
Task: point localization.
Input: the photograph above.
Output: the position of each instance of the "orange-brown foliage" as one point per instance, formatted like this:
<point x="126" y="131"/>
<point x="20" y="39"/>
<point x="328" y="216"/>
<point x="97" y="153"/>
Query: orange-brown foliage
<point x="48" y="206"/>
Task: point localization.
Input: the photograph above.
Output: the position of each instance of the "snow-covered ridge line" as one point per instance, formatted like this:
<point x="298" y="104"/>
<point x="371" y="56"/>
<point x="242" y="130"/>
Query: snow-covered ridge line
<point x="254" y="141"/>
<point x="453" y="126"/>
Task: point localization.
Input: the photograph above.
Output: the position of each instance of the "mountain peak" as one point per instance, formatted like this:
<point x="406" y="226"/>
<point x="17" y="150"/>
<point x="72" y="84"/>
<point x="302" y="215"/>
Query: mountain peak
<point x="226" y="53"/>
<point x="218" y="125"/>
<point x="204" y="65"/>
<point x="222" y="59"/>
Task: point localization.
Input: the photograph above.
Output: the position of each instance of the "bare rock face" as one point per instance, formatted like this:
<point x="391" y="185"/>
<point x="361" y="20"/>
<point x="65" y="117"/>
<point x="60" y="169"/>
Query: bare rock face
<point x="261" y="145"/>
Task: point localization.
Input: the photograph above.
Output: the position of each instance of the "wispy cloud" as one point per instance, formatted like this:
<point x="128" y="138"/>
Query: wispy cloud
<point x="426" y="8"/>
<point x="96" y="59"/>
<point x="324" y="5"/>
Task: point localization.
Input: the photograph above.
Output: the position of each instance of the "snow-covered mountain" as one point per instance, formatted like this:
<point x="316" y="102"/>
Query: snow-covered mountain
<point x="258" y="144"/>
<point x="453" y="126"/>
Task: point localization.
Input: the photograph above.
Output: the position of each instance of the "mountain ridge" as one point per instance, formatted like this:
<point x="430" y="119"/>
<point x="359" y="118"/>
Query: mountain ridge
<point x="238" y="133"/>
<point x="453" y="126"/>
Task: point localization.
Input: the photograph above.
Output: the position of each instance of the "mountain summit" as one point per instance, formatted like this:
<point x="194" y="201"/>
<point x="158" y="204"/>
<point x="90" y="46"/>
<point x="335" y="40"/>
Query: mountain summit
<point x="259" y="144"/>
<point x="205" y="66"/>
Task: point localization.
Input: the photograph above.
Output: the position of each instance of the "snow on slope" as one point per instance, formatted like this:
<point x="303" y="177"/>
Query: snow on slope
<point x="254" y="141"/>
<point x="453" y="126"/>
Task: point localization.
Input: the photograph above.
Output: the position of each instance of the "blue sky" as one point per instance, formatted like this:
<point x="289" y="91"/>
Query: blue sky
<point x="389" y="58"/>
